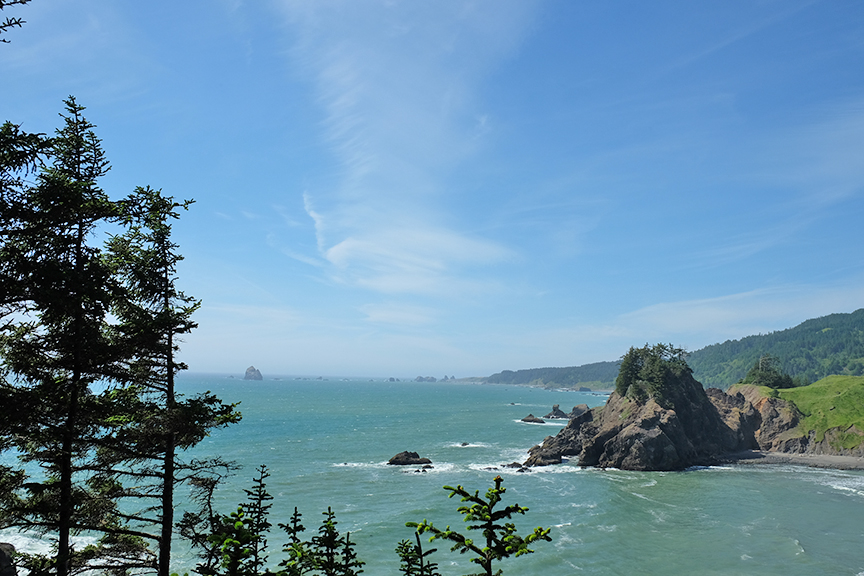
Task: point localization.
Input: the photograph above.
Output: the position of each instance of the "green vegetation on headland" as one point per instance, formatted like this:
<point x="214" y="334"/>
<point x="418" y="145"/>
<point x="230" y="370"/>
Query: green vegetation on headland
<point x="835" y="402"/>
<point x="833" y="405"/>
<point x="816" y="348"/>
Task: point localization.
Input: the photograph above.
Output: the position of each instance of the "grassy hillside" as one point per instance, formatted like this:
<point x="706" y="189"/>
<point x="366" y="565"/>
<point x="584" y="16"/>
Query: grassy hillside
<point x="833" y="402"/>
<point x="814" y="349"/>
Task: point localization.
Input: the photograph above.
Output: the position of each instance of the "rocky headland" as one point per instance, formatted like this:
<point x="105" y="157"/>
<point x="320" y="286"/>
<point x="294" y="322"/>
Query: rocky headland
<point x="661" y="418"/>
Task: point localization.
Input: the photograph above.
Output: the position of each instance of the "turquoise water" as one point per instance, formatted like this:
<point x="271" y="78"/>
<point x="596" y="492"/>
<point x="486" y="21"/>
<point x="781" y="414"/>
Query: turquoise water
<point x="327" y="442"/>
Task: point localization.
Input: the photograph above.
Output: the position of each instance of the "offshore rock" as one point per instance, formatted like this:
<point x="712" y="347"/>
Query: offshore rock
<point x="253" y="373"/>
<point x="628" y="434"/>
<point x="556" y="413"/>
<point x="408" y="459"/>
<point x="531" y="419"/>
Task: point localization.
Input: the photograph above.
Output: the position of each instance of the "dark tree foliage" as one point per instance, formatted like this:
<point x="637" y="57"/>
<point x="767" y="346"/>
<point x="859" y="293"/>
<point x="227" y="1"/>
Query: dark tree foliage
<point x="651" y="372"/>
<point x="816" y="348"/>
<point x="414" y="561"/>
<point x="58" y="341"/>
<point x="198" y="525"/>
<point x="257" y="510"/>
<point x="10" y="22"/>
<point x="766" y="372"/>
<point x="74" y="316"/>
<point x="154" y="422"/>
<point x="236" y="543"/>
<point x="499" y="538"/>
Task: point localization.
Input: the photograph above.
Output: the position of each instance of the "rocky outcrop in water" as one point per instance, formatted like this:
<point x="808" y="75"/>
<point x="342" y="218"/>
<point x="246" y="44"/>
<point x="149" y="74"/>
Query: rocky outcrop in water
<point x="531" y="419"/>
<point x="253" y="373"/>
<point x="659" y="419"/>
<point x="408" y="459"/>
<point x="556" y="412"/>
<point x="630" y="435"/>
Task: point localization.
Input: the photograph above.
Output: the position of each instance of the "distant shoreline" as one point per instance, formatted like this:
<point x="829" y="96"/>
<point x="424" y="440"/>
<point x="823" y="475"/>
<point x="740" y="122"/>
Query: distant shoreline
<point x="756" y="457"/>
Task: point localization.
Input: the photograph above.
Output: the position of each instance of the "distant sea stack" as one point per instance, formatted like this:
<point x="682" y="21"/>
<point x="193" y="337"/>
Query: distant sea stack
<point x="253" y="373"/>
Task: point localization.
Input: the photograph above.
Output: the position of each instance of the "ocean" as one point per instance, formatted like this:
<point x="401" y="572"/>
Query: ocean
<point x="326" y="443"/>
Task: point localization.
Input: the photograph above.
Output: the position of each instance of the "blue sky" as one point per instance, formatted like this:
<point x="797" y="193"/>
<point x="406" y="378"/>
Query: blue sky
<point x="395" y="188"/>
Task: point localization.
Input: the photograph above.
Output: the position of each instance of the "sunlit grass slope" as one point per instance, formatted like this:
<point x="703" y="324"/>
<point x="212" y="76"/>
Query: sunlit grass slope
<point x="832" y="402"/>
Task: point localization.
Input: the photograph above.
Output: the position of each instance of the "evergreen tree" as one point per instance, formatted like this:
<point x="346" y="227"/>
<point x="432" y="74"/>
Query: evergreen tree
<point x="499" y="541"/>
<point x="414" y="560"/>
<point x="257" y="511"/>
<point x="10" y="22"/>
<point x="58" y="341"/>
<point x="766" y="371"/>
<point x="156" y="421"/>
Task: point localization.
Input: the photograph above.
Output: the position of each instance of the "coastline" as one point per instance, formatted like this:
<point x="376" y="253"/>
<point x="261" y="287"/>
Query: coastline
<point x="755" y="457"/>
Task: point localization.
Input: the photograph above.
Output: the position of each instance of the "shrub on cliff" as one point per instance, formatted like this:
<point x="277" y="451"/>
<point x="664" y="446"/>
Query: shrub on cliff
<point x="651" y="372"/>
<point x="766" y="372"/>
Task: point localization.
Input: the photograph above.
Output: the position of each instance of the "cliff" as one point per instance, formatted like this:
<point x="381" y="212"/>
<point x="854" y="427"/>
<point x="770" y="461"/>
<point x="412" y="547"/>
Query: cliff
<point x="826" y="417"/>
<point x="690" y="426"/>
<point x="631" y="434"/>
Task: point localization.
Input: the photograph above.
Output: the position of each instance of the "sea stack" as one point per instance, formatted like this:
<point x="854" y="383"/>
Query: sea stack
<point x="253" y="373"/>
<point x="658" y="418"/>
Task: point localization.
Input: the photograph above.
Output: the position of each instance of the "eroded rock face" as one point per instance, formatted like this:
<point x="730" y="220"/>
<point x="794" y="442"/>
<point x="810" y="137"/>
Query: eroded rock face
<point x="408" y="459"/>
<point x="578" y="410"/>
<point x="687" y="430"/>
<point x="693" y="427"/>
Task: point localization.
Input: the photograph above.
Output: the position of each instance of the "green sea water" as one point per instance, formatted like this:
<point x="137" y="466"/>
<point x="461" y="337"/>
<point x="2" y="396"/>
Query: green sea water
<point x="326" y="443"/>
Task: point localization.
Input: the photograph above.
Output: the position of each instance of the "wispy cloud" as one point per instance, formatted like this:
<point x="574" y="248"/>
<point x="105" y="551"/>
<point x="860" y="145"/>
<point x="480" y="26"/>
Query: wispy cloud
<point x="398" y="114"/>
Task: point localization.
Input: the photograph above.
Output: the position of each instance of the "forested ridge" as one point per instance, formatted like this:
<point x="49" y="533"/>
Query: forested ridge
<point x="816" y="348"/>
<point x="597" y="375"/>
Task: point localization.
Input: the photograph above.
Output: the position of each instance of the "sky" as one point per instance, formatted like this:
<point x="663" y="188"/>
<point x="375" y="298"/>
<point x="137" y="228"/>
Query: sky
<point x="402" y="188"/>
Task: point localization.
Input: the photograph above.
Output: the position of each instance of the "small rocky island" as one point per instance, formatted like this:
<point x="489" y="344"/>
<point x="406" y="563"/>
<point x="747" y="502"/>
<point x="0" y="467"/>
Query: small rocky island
<point x="531" y="419"/>
<point x="253" y="373"/>
<point x="408" y="459"/>
<point x="660" y="418"/>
